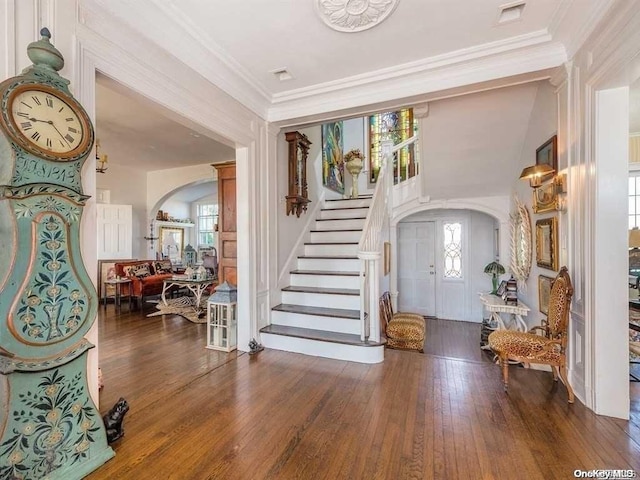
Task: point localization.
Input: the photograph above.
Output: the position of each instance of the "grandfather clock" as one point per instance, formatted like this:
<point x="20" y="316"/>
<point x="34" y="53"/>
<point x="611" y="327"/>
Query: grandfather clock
<point x="49" y="425"/>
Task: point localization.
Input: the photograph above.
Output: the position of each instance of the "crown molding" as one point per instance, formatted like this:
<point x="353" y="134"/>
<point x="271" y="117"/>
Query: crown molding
<point x="465" y="67"/>
<point x="167" y="27"/>
<point x="458" y="57"/>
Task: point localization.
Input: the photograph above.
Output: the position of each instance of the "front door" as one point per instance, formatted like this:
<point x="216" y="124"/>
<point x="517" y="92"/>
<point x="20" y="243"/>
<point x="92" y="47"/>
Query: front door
<point x="416" y="267"/>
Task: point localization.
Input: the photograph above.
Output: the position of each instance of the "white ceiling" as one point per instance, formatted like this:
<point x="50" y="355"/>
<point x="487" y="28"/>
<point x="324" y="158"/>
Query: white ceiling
<point x="138" y="134"/>
<point x="423" y="49"/>
<point x="265" y="35"/>
<point x="634" y="107"/>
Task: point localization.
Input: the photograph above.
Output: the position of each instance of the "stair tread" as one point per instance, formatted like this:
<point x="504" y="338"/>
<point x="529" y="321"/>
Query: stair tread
<point x="330" y="291"/>
<point x="338" y="230"/>
<point x="338" y="257"/>
<point x="324" y="272"/>
<point x="339" y="219"/>
<point x="365" y="197"/>
<point x="343" y="208"/>
<point x="331" y="243"/>
<point x="320" y="311"/>
<point x="320" y="335"/>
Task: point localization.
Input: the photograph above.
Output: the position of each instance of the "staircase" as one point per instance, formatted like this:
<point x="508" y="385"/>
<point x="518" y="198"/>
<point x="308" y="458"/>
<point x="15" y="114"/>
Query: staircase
<point x="320" y="310"/>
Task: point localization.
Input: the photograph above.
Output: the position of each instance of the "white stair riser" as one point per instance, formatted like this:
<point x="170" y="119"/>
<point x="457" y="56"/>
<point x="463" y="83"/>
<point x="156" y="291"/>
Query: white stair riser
<point x="316" y="322"/>
<point x="351" y="302"/>
<point x="329" y="264"/>
<point x="362" y="202"/>
<point x="316" y="348"/>
<point x="348" y="213"/>
<point x="336" y="237"/>
<point x="340" y="224"/>
<point x="326" y="281"/>
<point x="331" y="249"/>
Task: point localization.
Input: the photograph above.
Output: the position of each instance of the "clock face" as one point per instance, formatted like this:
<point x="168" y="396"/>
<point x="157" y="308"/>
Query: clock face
<point x="48" y="123"/>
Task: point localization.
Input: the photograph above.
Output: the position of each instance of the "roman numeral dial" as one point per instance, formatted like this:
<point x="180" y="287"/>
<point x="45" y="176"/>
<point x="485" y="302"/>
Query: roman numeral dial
<point x="48" y="122"/>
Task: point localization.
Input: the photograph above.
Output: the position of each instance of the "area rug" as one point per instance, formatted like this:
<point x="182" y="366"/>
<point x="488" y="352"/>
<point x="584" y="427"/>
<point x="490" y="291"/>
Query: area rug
<point x="182" y="306"/>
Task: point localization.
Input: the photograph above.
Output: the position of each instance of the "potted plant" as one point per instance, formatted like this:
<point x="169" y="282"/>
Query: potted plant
<point x="495" y="270"/>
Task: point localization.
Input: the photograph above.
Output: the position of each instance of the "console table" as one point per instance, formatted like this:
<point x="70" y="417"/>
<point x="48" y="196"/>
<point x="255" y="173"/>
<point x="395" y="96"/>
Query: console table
<point x="495" y="305"/>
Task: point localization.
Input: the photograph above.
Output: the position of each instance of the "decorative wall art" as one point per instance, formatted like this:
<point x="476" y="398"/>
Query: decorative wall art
<point x="547" y="243"/>
<point x="547" y="154"/>
<point x="545" y="198"/>
<point x="332" y="161"/>
<point x="544" y="292"/>
<point x="171" y="242"/>
<point x="107" y="271"/>
<point x="520" y="242"/>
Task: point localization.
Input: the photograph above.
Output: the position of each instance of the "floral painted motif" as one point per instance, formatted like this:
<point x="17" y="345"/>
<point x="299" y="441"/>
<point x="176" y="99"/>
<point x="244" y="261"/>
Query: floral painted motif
<point x="49" y="204"/>
<point x="51" y="427"/>
<point x="50" y="307"/>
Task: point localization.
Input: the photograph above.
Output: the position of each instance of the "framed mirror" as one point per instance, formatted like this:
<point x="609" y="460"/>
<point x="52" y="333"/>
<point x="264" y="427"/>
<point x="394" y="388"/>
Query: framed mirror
<point x="521" y="250"/>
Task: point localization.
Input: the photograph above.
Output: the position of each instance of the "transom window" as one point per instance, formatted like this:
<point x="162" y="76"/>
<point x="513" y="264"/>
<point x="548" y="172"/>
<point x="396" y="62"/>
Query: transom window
<point x="207" y="222"/>
<point x="452" y="250"/>
<point x="397" y="126"/>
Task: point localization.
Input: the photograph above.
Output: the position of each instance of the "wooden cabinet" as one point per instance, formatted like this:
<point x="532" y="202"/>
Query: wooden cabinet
<point x="227" y="230"/>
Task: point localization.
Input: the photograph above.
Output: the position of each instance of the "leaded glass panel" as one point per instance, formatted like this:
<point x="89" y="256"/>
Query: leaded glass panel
<point x="452" y="250"/>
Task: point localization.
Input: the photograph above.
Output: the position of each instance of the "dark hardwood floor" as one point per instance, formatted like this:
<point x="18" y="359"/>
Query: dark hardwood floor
<point x="199" y="414"/>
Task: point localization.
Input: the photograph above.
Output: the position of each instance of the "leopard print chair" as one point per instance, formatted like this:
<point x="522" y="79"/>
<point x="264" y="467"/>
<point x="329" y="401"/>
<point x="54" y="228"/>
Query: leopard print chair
<point x="403" y="330"/>
<point x="549" y="347"/>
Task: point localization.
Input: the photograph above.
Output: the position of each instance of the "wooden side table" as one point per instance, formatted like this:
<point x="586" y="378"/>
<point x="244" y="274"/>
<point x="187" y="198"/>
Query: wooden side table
<point x="118" y="283"/>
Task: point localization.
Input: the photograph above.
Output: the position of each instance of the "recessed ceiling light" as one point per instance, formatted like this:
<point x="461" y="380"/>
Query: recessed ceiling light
<point x="510" y="12"/>
<point x="194" y="135"/>
<point x="282" y="74"/>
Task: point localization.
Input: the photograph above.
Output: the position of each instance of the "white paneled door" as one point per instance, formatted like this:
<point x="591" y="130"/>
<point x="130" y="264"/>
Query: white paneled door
<point x="417" y="267"/>
<point x="114" y="231"/>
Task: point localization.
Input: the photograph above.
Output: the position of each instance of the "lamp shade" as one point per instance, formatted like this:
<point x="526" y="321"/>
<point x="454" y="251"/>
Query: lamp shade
<point x="494" y="268"/>
<point x="535" y="174"/>
<point x="634" y="238"/>
<point x="170" y="241"/>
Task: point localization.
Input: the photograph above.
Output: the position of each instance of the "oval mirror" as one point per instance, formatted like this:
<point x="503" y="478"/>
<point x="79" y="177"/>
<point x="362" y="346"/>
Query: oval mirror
<point x="520" y="243"/>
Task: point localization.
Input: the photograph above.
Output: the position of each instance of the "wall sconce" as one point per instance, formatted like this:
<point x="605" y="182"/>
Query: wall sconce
<point x="536" y="173"/>
<point x="101" y="160"/>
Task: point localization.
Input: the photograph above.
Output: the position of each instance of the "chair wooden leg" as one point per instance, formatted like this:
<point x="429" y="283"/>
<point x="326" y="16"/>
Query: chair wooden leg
<point x="505" y="372"/>
<point x="565" y="380"/>
<point x="555" y="371"/>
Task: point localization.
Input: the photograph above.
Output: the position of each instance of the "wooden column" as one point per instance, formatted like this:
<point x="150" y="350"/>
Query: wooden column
<point x="227" y="230"/>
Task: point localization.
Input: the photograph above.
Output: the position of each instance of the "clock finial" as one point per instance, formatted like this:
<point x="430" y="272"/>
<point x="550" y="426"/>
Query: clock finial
<point x="43" y="54"/>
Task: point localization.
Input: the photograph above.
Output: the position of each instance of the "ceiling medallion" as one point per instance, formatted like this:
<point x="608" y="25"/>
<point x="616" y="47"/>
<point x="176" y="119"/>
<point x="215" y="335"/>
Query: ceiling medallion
<point x="354" y="15"/>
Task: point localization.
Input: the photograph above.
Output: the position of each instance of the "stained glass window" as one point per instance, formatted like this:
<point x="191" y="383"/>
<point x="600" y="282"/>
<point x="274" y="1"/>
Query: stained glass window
<point x="452" y="250"/>
<point x="397" y="126"/>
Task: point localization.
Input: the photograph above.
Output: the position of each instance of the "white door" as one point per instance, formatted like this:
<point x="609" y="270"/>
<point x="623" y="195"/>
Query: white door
<point x="416" y="268"/>
<point x="115" y="228"/>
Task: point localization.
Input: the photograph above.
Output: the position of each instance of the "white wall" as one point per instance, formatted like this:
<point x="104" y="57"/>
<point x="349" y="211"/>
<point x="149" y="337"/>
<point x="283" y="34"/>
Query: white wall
<point x="128" y="186"/>
<point x="162" y="183"/>
<point x="542" y="126"/>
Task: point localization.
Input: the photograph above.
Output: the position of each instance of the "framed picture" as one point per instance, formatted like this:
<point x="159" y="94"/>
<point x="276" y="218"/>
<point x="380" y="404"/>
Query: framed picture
<point x="547" y="243"/>
<point x="171" y="243"/>
<point x="547" y="154"/>
<point x="387" y="258"/>
<point x="332" y="164"/>
<point x="544" y="292"/>
<point x="502" y="288"/>
<point x="107" y="271"/>
<point x="545" y="198"/>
